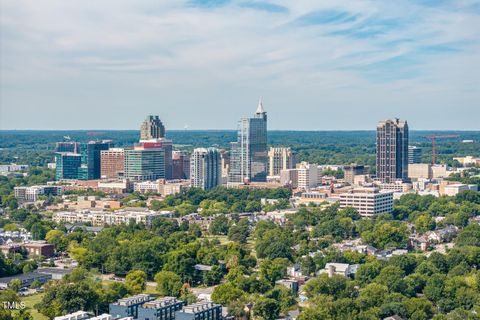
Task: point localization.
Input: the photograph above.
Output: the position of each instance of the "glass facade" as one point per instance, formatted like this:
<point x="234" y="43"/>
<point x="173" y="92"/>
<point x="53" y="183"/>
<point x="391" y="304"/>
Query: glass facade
<point x="145" y="164"/>
<point x="249" y="155"/>
<point x="67" y="165"/>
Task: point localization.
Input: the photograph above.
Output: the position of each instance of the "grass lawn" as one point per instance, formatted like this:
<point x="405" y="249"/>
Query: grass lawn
<point x="222" y="239"/>
<point x="30" y="301"/>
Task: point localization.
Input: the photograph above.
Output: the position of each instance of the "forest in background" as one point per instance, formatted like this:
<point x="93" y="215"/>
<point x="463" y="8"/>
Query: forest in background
<point x="322" y="147"/>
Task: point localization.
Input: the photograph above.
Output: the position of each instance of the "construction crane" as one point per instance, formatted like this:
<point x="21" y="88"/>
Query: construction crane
<point x="434" y="144"/>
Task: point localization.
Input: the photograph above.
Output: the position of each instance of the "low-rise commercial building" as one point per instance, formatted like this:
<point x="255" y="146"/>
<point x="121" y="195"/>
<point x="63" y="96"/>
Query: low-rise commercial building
<point x="38" y="249"/>
<point x="368" y="201"/>
<point x="453" y="189"/>
<point x="31" y="194"/>
<point x="354" y="170"/>
<point x="468" y="161"/>
<point x="26" y="279"/>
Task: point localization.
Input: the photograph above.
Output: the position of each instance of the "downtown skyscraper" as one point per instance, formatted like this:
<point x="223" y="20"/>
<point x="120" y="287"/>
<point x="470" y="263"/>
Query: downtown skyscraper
<point x="205" y="168"/>
<point x="392" y="150"/>
<point x="153" y="131"/>
<point x="249" y="155"/>
<point x="152" y="128"/>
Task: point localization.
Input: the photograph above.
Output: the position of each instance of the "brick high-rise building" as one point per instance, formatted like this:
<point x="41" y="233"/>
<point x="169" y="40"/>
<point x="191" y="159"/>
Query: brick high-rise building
<point x="180" y="165"/>
<point x="392" y="150"/>
<point x="112" y="163"/>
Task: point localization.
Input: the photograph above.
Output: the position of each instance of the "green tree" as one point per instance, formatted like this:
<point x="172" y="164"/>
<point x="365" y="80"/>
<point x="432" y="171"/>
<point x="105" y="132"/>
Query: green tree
<point x="273" y="270"/>
<point x="226" y="293"/>
<point x="266" y="308"/>
<point x="136" y="281"/>
<point x="168" y="283"/>
<point x="15" y="284"/>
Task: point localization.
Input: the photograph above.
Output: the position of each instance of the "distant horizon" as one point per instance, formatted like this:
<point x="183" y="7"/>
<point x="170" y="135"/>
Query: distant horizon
<point x="233" y="130"/>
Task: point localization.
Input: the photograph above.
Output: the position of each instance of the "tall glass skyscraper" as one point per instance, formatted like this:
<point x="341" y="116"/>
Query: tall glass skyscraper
<point x="84" y="164"/>
<point x="249" y="155"/>
<point x="392" y="150"/>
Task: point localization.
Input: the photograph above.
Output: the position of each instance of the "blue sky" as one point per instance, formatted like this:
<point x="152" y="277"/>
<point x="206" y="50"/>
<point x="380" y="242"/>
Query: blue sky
<point x="317" y="65"/>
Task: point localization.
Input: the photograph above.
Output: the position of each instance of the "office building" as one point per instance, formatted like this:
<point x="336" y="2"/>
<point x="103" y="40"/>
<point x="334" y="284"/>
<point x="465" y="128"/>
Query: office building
<point x="289" y="178"/>
<point x="153" y="131"/>
<point x="128" y="307"/>
<point x="249" y="158"/>
<point x="145" y="162"/>
<point x="452" y="190"/>
<point x="152" y="128"/>
<point x="112" y="163"/>
<point x="414" y="154"/>
<point x="160" y="309"/>
<point x="200" y="311"/>
<point x="73" y="147"/>
<point x="91" y="160"/>
<point x="31" y="194"/>
<point x="418" y="171"/>
<point x="166" y="188"/>
<point x="180" y="164"/>
<point x="67" y="165"/>
<point x="280" y="159"/>
<point x="368" y="201"/>
<point x="354" y="170"/>
<point x="205" y="168"/>
<point x="392" y="150"/>
<point x="307" y="175"/>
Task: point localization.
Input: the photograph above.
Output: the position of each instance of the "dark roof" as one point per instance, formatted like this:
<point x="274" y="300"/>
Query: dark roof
<point x="54" y="270"/>
<point x="22" y="276"/>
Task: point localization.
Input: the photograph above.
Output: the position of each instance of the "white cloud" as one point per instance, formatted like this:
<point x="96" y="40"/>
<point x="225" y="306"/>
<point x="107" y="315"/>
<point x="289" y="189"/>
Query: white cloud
<point x="180" y="54"/>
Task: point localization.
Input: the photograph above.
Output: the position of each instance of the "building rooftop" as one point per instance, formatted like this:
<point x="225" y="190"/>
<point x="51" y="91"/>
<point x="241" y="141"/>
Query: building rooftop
<point x="198" y="307"/>
<point x="137" y="299"/>
<point x="160" y="303"/>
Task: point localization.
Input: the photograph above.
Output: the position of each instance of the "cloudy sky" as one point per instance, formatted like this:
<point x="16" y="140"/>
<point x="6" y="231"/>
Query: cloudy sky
<point x="317" y="65"/>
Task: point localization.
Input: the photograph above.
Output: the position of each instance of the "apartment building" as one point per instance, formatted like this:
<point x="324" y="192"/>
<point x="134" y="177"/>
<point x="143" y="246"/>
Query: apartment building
<point x="100" y="217"/>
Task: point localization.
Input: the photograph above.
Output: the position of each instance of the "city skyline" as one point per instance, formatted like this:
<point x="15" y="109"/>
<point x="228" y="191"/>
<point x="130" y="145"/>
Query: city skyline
<point x="316" y="65"/>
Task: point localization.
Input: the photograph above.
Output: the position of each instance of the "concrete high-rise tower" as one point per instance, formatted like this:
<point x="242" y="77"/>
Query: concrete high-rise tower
<point x="392" y="150"/>
<point x="152" y="128"/>
<point x="249" y="155"/>
<point x="205" y="168"/>
<point x="153" y="131"/>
